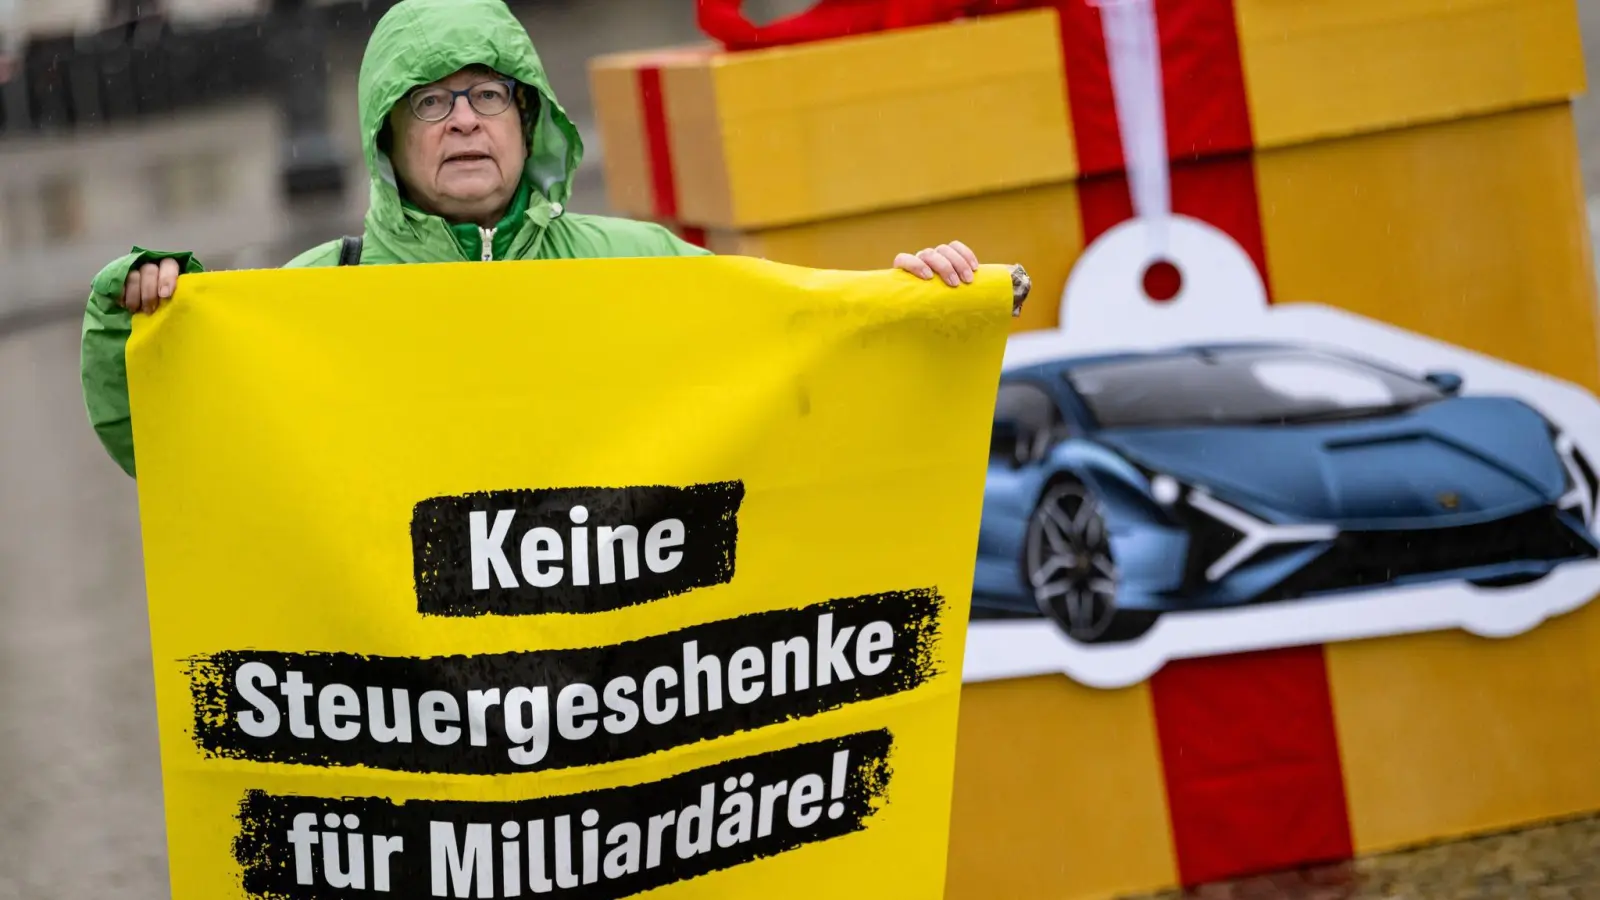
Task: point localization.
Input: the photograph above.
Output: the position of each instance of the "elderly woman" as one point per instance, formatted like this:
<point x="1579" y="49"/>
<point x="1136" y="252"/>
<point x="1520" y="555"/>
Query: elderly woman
<point x="471" y="158"/>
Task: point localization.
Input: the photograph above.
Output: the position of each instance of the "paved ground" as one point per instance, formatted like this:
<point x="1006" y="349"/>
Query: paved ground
<point x="1553" y="862"/>
<point x="80" y="792"/>
<point x="80" y="788"/>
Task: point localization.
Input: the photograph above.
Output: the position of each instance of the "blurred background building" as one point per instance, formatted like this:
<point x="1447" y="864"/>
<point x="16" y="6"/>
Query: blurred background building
<point x="227" y="127"/>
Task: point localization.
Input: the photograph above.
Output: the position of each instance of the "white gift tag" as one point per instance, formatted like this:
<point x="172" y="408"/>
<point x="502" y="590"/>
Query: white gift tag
<point x="1161" y="282"/>
<point x="1108" y="302"/>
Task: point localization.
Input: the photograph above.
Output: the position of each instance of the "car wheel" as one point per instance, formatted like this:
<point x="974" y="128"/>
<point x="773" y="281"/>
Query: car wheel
<point x="1071" y="570"/>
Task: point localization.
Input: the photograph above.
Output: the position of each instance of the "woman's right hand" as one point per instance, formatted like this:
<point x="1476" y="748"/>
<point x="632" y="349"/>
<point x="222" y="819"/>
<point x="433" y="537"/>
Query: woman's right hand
<point x="149" y="285"/>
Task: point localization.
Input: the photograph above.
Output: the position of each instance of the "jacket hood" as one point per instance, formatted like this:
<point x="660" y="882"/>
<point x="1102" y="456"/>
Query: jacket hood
<point x="420" y="41"/>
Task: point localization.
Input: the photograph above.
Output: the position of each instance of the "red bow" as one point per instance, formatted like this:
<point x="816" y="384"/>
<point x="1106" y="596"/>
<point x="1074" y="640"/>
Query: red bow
<point x="725" y="20"/>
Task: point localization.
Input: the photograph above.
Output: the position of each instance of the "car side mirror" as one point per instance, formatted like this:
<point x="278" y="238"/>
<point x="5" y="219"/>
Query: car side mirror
<point x="1447" y="382"/>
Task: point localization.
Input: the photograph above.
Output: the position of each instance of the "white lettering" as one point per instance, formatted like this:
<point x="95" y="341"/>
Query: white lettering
<point x="769" y="797"/>
<point x="487" y="548"/>
<point x="538" y="881"/>
<point x="694" y="666"/>
<point x="745" y="664"/>
<point x="263" y="721"/>
<point x="606" y="539"/>
<point x="625" y="712"/>
<point x="695" y="825"/>
<point x="523" y="721"/>
<point x="549" y="556"/>
<point x="336" y="871"/>
<point x="807" y="791"/>
<point x="296" y="689"/>
<point x="565" y="877"/>
<point x="381" y="732"/>
<point x="664" y="534"/>
<point x="436" y="707"/>
<point x="460" y="865"/>
<point x="623" y="859"/>
<point x="530" y="731"/>
<point x="382" y="848"/>
<point x="303" y="835"/>
<point x="659" y="714"/>
<point x="478" y="703"/>
<point x="830" y="651"/>
<point x="576" y="700"/>
<point x="580" y="546"/>
<point x="335" y="701"/>
<point x="797" y="649"/>
<point x="658" y="824"/>
<point x="539" y="546"/>
<point x="874" y="637"/>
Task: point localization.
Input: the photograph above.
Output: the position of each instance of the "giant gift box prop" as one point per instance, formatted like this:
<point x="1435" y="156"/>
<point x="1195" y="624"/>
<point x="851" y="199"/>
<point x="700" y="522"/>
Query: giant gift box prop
<point x="1414" y="163"/>
<point x="596" y="610"/>
<point x="1002" y="128"/>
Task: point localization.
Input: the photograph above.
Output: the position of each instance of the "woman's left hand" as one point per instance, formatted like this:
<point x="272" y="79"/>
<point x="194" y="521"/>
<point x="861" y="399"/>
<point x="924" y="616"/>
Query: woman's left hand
<point x="952" y="262"/>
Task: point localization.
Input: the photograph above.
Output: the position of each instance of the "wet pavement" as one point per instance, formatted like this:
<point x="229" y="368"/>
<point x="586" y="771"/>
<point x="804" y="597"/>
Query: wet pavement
<point x="80" y="788"/>
<point x="80" y="779"/>
<point x="1559" y="861"/>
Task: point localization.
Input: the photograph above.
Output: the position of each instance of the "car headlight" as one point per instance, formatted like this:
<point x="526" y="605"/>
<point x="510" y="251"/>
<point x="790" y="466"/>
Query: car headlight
<point x="1165" y="489"/>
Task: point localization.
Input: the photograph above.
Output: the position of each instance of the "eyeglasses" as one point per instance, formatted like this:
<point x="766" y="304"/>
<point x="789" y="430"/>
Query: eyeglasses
<point x="487" y="98"/>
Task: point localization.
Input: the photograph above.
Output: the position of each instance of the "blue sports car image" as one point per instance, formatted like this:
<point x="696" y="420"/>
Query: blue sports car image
<point x="1124" y="486"/>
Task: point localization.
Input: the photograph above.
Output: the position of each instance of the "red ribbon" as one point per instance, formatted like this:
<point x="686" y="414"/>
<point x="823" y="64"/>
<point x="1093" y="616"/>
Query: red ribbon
<point x="725" y="21"/>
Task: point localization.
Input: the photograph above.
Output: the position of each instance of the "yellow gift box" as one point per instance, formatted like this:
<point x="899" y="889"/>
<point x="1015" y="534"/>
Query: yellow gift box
<point x="844" y="152"/>
<point x="786" y="135"/>
<point x="1413" y="162"/>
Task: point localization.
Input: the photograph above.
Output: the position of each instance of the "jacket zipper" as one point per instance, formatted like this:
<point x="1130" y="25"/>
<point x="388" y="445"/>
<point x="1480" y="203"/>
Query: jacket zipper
<point x="486" y="235"/>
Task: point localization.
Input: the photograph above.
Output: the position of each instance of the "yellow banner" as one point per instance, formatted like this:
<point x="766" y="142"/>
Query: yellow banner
<point x="581" y="579"/>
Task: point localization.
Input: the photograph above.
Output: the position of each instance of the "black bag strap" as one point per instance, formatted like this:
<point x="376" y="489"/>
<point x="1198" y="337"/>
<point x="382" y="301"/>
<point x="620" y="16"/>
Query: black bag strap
<point x="350" y="250"/>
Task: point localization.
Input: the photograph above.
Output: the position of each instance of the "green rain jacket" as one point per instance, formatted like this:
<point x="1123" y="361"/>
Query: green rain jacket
<point x="416" y="42"/>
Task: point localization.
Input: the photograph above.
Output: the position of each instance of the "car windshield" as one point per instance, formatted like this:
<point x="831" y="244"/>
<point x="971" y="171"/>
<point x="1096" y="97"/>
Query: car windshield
<point x="1242" y="387"/>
